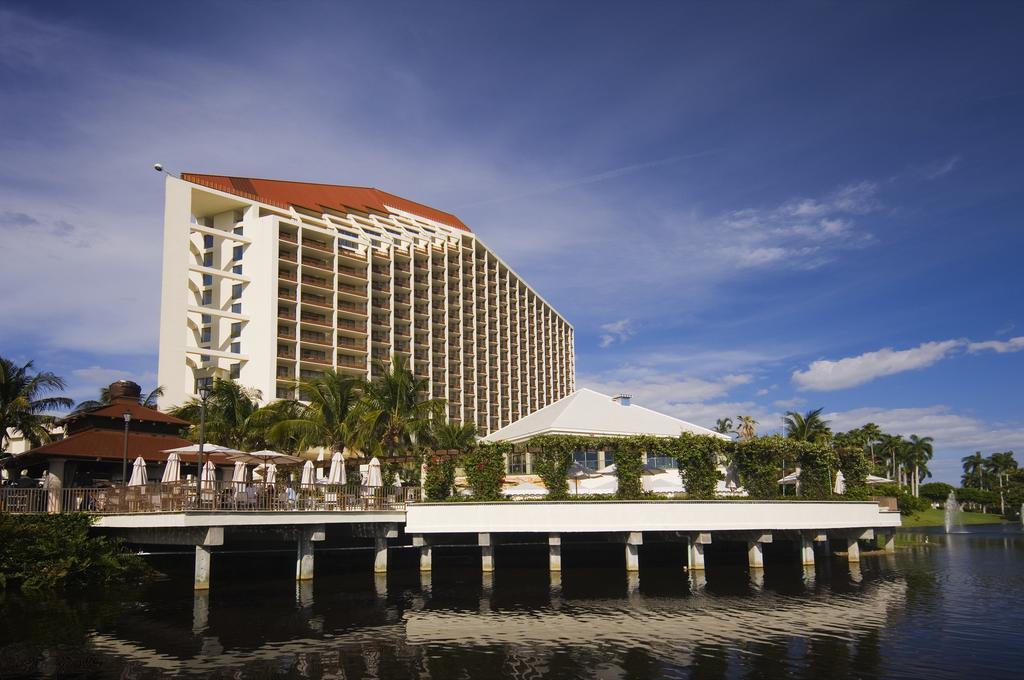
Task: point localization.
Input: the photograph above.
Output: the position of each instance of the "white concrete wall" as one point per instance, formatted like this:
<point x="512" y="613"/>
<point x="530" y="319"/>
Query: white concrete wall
<point x="573" y="516"/>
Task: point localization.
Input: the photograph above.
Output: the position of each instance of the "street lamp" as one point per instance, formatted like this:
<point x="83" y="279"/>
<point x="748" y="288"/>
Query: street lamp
<point x="204" y="394"/>
<point x="124" y="463"/>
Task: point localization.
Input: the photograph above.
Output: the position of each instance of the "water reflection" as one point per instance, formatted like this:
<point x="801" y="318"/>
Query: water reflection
<point x="891" y="615"/>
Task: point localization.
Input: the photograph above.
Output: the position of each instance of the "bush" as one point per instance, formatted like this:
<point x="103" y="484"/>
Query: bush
<point x="53" y="551"/>
<point x="552" y="463"/>
<point x="906" y="502"/>
<point x="819" y="466"/>
<point x="855" y="467"/>
<point x="758" y="463"/>
<point x="485" y="470"/>
<point x="698" y="457"/>
<point x="629" y="465"/>
<point x="935" y="491"/>
<point x="440" y="477"/>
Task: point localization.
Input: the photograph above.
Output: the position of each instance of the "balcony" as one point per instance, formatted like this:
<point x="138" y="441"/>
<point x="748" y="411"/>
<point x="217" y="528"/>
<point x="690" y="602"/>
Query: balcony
<point x="317" y="281"/>
<point x="350" y="362"/>
<point x="317" y="245"/>
<point x="318" y="300"/>
<point x="289" y="238"/>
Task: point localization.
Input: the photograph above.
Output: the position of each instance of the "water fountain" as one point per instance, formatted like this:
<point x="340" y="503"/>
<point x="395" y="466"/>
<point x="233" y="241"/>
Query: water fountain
<point x="953" y="521"/>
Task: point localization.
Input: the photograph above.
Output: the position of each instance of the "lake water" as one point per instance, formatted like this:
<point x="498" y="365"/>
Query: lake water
<point x="944" y="607"/>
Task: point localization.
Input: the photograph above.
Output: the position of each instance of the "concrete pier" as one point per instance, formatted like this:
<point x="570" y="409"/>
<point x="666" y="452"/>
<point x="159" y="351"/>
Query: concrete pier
<point x="755" y="555"/>
<point x="634" y="540"/>
<point x="486" y="553"/>
<point x="423" y="544"/>
<point x="806" y="544"/>
<point x="887" y="541"/>
<point x="555" y="552"/>
<point x="380" y="555"/>
<point x="695" y="554"/>
<point x="852" y="549"/>
<point x="202" y="572"/>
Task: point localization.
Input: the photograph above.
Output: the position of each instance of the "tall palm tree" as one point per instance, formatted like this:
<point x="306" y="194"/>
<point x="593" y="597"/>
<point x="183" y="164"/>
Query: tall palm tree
<point x="724" y="426"/>
<point x="327" y="420"/>
<point x="919" y="451"/>
<point x="891" y="445"/>
<point x="104" y="399"/>
<point x="810" y="427"/>
<point x="24" y="404"/>
<point x="230" y="411"/>
<point x="872" y="434"/>
<point x="746" y="426"/>
<point x="451" y="436"/>
<point x="393" y="411"/>
<point x="1001" y="465"/>
<point x="974" y="469"/>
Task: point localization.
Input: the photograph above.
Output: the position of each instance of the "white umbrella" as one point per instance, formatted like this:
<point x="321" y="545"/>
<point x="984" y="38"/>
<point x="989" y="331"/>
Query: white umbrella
<point x="321" y="467"/>
<point x="172" y="471"/>
<point x="240" y="475"/>
<point x="525" y="489"/>
<point x="337" y="474"/>
<point x="138" y="473"/>
<point x="207" y="448"/>
<point x="873" y="479"/>
<point x="308" y="474"/>
<point x="662" y="484"/>
<point x="209" y="476"/>
<point x="601" y="485"/>
<point x="373" y="477"/>
<point x="265" y="456"/>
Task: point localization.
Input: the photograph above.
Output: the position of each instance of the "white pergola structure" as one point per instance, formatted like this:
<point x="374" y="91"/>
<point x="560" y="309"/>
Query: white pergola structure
<point x="589" y="413"/>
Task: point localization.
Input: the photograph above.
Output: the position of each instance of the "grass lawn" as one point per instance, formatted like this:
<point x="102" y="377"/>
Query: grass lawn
<point x="936" y="517"/>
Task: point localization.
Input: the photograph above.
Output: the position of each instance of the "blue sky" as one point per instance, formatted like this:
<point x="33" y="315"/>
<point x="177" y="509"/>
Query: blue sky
<point x="742" y="208"/>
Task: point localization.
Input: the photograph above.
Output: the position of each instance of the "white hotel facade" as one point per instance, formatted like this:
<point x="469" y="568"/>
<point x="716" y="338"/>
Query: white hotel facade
<point x="271" y="282"/>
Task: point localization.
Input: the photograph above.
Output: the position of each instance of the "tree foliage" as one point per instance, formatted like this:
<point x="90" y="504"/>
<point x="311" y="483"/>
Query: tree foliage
<point x="26" y="402"/>
<point x="440" y="477"/>
<point x="485" y="469"/>
<point x="698" y="457"/>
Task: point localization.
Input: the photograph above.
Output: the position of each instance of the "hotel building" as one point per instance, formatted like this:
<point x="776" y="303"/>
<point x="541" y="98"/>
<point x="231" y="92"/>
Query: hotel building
<point x="271" y="282"/>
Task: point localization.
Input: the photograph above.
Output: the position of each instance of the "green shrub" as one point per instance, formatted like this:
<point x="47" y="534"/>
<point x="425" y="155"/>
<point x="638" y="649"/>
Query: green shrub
<point x="937" y="492"/>
<point x="758" y="463"/>
<point x="53" y="551"/>
<point x="485" y="469"/>
<point x="906" y="501"/>
<point x="440" y="477"/>
<point x="855" y="467"/>
<point x="698" y="457"/>
<point x="819" y="466"/>
<point x="629" y="465"/>
<point x="552" y="462"/>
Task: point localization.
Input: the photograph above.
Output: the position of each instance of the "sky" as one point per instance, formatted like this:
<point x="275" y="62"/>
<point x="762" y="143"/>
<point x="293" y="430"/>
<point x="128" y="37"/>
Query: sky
<point x="741" y="208"/>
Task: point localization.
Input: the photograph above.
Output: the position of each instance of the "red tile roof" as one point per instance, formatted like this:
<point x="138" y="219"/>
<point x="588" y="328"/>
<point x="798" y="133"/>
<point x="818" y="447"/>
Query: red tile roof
<point x="139" y="413"/>
<point x="285" y="194"/>
<point x="109" y="445"/>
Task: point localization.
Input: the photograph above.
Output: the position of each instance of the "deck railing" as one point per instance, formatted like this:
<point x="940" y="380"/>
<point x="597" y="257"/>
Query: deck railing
<point x="217" y="496"/>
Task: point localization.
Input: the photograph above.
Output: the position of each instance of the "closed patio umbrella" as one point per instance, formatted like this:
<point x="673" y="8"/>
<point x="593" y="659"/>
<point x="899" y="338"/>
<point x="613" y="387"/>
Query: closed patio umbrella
<point x="267" y="472"/>
<point x="172" y="471"/>
<point x="208" y="477"/>
<point x="373" y="477"/>
<point x="337" y="473"/>
<point x="321" y="466"/>
<point x="240" y="475"/>
<point x="139" y="477"/>
<point x="308" y="474"/>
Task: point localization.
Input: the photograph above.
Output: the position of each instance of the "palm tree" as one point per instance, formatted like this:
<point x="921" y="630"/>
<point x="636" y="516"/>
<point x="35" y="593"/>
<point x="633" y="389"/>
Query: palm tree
<point x="104" y="399"/>
<point x="724" y="426"/>
<point x="24" y="404"/>
<point x="871" y="434"/>
<point x="327" y="419"/>
<point x="393" y="412"/>
<point x="810" y="427"/>
<point x="451" y="436"/>
<point x="230" y="411"/>
<point x="745" y="429"/>
<point x="919" y="451"/>
<point x="892" y="446"/>
<point x="974" y="468"/>
<point x="1001" y="465"/>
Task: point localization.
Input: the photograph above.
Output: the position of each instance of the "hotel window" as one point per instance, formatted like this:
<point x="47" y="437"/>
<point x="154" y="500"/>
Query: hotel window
<point x="207" y="297"/>
<point x="200" y="382"/>
<point x="236" y="348"/>
<point x="207" y="259"/>
<point x="236" y="291"/>
<point x="207" y="318"/>
<point x="517" y="463"/>
<point x="609" y="458"/>
<point x="239" y="230"/>
<point x="236" y="329"/>
<point x="207" y="279"/>
<point x="587" y="459"/>
<point x="205" y="336"/>
<point x="236" y="308"/>
<point x="237" y="269"/>
<point x="236" y="253"/>
<point x="285" y="393"/>
<point x="235" y="371"/>
<point x="663" y="462"/>
<point x="207" y="241"/>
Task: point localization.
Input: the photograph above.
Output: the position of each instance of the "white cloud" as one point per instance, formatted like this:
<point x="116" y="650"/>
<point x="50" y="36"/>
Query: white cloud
<point x="998" y="346"/>
<point x="826" y="375"/>
<point x="940" y="169"/>
<point x="616" y="331"/>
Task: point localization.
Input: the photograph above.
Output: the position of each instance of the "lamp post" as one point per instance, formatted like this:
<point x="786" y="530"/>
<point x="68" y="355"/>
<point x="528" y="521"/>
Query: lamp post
<point x="124" y="463"/>
<point x="204" y="394"/>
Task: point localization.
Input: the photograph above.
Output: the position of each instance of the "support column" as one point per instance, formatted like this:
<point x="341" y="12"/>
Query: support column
<point x="202" y="575"/>
<point x="696" y="551"/>
<point x="634" y="540"/>
<point x="755" y="556"/>
<point x="55" y="485"/>
<point x="486" y="553"/>
<point x="852" y="549"/>
<point x="554" y="552"/>
<point x="887" y="542"/>
<point x="806" y="550"/>
<point x="380" y="555"/>
<point x="425" y="557"/>
<point x="304" y="552"/>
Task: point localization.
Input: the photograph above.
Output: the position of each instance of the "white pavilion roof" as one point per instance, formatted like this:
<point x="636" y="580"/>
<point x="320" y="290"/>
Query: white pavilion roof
<point x="586" y="412"/>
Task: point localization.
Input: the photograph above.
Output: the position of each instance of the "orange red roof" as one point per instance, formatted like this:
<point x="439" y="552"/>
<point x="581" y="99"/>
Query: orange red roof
<point x="311" y="196"/>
